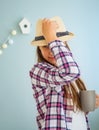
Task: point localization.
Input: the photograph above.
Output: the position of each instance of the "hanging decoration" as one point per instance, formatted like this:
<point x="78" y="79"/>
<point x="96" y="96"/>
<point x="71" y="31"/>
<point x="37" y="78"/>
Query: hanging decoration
<point x="24" y="25"/>
<point x="8" y="41"/>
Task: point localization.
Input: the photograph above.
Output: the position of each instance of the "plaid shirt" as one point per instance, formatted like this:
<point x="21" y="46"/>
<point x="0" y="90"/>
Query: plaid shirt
<point x="54" y="110"/>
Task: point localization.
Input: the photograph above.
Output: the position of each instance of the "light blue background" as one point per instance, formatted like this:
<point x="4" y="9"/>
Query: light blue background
<point x="17" y="105"/>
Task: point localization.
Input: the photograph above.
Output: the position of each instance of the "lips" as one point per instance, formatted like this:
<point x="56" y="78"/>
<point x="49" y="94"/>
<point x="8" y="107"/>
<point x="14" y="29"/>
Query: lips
<point x="51" y="56"/>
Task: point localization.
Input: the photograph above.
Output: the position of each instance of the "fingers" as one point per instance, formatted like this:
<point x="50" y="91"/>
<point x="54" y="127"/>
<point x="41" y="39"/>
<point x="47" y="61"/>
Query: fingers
<point x="47" y="21"/>
<point x="45" y="24"/>
<point x="97" y="100"/>
<point x="49" y="28"/>
<point x="97" y="95"/>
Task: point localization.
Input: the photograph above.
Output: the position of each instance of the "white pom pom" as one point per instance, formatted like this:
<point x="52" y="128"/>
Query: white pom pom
<point x="14" y="32"/>
<point x="10" y="41"/>
<point x="1" y="52"/>
<point x="4" y="45"/>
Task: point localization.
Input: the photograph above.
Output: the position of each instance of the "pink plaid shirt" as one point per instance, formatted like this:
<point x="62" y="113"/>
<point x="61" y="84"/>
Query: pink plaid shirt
<point x="54" y="110"/>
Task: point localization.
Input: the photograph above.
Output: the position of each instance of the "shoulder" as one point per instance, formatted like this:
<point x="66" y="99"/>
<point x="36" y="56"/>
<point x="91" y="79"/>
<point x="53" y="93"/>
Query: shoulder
<point x="39" y="67"/>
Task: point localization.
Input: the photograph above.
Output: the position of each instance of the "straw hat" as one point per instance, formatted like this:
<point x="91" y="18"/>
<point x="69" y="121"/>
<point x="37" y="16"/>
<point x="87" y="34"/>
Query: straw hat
<point x="61" y="32"/>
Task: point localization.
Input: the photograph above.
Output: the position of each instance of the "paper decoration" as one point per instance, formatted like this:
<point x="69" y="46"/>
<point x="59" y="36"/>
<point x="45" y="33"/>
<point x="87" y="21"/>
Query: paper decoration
<point x="13" y="32"/>
<point x="1" y="51"/>
<point x="4" y="45"/>
<point x="25" y="26"/>
<point x="8" y="41"/>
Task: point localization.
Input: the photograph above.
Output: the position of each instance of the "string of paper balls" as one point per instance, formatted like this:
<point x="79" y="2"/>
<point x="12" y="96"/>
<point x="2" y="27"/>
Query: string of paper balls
<point x="8" y="41"/>
<point x="25" y="29"/>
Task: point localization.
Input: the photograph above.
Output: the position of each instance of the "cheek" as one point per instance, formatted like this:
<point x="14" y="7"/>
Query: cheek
<point x="45" y="53"/>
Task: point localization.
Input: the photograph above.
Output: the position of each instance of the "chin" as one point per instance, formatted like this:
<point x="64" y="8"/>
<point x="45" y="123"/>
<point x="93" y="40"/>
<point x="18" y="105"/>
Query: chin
<point x="53" y="63"/>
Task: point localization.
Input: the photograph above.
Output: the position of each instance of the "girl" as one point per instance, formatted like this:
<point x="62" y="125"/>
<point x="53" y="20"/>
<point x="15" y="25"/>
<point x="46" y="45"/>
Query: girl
<point x="56" y="79"/>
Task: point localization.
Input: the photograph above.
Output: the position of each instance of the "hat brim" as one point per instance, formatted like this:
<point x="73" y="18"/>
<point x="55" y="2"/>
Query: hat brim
<point x="44" y="43"/>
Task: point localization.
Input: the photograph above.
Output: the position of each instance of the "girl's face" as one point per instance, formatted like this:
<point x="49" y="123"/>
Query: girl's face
<point x="47" y="54"/>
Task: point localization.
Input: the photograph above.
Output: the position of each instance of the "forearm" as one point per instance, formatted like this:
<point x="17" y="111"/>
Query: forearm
<point x="65" y="61"/>
<point x="49" y="30"/>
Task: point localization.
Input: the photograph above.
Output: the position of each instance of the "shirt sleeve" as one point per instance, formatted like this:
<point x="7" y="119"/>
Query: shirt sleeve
<point x="66" y="71"/>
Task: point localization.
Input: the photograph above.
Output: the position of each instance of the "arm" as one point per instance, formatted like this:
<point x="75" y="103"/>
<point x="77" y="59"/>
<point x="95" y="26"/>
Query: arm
<point x="59" y="50"/>
<point x="49" y="30"/>
<point x="44" y="74"/>
<point x="67" y="66"/>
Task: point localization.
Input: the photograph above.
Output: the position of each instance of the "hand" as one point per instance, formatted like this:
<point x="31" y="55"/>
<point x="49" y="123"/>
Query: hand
<point x="97" y="100"/>
<point x="49" y="30"/>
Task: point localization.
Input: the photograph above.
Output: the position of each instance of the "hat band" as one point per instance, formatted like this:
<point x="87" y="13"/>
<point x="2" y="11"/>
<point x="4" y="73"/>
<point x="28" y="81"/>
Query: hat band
<point x="58" y="34"/>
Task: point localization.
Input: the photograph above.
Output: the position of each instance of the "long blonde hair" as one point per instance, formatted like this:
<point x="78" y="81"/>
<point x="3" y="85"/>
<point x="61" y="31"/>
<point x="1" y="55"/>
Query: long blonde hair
<point x="71" y="88"/>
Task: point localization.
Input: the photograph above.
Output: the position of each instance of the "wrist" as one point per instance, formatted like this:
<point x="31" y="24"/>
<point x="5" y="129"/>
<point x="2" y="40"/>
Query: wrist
<point x="50" y="39"/>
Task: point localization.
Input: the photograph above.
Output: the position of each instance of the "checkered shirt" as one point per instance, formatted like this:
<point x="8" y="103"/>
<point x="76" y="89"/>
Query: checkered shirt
<point x="54" y="110"/>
